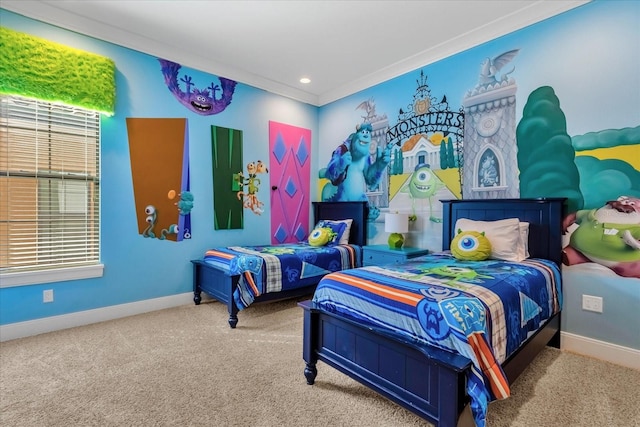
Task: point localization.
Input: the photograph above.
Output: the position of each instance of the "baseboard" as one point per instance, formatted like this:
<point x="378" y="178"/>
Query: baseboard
<point x="623" y="356"/>
<point x="65" y="321"/>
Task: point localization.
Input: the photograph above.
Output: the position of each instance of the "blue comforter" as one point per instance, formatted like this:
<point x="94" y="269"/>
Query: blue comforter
<point x="275" y="268"/>
<point x="483" y="310"/>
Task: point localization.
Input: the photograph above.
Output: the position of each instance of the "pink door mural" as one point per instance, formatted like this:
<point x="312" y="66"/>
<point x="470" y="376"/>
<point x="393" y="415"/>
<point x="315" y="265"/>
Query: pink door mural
<point x="289" y="179"/>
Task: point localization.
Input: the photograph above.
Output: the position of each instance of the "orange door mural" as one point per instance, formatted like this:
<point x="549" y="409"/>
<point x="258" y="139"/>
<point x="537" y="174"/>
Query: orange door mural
<point x="159" y="151"/>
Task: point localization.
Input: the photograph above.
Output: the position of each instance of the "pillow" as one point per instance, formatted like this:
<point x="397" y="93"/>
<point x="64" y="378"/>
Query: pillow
<point x="338" y="227"/>
<point x="470" y="246"/>
<point x="342" y="227"/>
<point x="524" y="237"/>
<point x="321" y="236"/>
<point x="504" y="235"/>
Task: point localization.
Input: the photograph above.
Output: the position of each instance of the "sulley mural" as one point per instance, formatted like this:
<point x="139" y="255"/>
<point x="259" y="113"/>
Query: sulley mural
<point x="200" y="101"/>
<point x="355" y="166"/>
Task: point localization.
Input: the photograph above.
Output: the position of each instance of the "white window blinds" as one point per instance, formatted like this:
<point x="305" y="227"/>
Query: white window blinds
<point x="49" y="185"/>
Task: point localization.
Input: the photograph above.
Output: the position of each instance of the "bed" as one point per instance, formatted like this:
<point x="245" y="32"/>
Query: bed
<point x="212" y="274"/>
<point x="422" y="375"/>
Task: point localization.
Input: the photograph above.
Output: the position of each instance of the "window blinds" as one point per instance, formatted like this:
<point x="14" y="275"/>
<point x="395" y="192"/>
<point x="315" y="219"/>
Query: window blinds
<point x="49" y="185"/>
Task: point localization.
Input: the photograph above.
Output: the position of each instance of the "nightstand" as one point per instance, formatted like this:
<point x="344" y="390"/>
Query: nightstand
<point x="383" y="254"/>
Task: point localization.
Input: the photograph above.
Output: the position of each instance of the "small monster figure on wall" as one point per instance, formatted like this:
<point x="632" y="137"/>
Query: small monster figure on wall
<point x="201" y="101"/>
<point x="252" y="183"/>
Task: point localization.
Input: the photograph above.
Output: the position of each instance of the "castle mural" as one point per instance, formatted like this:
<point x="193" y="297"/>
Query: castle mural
<point x="491" y="169"/>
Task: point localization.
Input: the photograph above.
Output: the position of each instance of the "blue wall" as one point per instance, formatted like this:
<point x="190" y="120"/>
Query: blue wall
<point x="137" y="268"/>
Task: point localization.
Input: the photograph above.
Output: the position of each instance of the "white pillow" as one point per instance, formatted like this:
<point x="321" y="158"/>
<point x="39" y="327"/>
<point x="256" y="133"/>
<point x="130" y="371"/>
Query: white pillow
<point x="524" y="239"/>
<point x="344" y="239"/>
<point x="504" y="235"/>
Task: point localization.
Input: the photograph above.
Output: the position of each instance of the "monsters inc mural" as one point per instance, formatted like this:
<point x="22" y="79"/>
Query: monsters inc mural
<point x="482" y="151"/>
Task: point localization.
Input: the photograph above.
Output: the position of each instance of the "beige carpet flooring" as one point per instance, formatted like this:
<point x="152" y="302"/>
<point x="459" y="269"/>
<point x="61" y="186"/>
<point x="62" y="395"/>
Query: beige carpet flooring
<point x="185" y="367"/>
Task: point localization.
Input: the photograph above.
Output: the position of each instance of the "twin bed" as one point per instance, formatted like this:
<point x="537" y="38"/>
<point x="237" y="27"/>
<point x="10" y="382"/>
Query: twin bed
<point x="240" y="276"/>
<point x="437" y="334"/>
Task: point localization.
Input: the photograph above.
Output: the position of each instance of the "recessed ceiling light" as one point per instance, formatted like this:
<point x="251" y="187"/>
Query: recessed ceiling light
<point x="305" y="80"/>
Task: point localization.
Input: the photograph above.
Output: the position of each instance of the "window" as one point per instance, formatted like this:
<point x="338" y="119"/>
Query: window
<point x="49" y="190"/>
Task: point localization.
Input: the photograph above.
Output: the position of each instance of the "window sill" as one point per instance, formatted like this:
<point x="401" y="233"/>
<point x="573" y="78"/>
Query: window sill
<point x="9" y="280"/>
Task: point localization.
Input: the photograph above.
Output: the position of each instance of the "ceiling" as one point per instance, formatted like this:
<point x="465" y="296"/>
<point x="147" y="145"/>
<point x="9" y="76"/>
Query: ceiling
<point x="342" y="46"/>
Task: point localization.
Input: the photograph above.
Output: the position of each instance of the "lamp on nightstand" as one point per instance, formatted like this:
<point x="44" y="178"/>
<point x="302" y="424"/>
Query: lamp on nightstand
<point x="396" y="224"/>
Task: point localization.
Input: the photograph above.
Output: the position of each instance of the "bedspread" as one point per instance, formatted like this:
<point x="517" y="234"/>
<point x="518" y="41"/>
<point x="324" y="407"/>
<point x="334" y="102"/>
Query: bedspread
<point x="273" y="268"/>
<point x="483" y="310"/>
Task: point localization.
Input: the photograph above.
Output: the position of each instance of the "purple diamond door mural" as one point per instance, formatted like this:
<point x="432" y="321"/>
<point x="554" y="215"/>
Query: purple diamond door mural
<point x="289" y="172"/>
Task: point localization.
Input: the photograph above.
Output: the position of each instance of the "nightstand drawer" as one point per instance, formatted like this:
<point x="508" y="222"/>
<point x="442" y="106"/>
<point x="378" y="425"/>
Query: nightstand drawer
<point x="382" y="254"/>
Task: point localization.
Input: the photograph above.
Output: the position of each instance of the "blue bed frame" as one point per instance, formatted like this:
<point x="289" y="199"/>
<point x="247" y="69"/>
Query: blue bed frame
<point x="428" y="381"/>
<point x="219" y="285"/>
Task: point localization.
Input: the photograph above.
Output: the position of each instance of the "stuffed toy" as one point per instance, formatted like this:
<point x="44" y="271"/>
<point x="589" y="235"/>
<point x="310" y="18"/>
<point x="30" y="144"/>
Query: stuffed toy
<point x="470" y="246"/>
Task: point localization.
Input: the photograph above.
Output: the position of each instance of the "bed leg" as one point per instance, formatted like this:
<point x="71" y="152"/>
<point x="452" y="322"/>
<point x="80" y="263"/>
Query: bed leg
<point x="196" y="288"/>
<point x="310" y="373"/>
<point x="232" y="308"/>
<point x="233" y="320"/>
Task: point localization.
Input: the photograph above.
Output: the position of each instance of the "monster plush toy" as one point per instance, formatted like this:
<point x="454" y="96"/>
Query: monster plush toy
<point x="609" y="236"/>
<point x="352" y="169"/>
<point x="470" y="246"/>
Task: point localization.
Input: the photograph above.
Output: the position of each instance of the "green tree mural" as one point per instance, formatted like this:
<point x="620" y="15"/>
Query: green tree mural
<point x="444" y="162"/>
<point x="451" y="158"/>
<point x="546" y="157"/>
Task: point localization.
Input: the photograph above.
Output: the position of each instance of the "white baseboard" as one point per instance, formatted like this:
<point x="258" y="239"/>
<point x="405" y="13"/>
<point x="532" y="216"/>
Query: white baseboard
<point x="54" y="323"/>
<point x="623" y="356"/>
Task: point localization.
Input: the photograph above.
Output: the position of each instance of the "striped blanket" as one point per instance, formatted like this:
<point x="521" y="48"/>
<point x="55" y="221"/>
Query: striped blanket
<point x="483" y="310"/>
<point x="265" y="269"/>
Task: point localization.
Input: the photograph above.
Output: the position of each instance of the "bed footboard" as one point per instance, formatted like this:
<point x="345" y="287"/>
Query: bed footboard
<point x="430" y="384"/>
<point x="216" y="284"/>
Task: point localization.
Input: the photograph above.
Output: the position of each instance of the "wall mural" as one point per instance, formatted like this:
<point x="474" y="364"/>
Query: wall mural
<point x="603" y="221"/>
<point x="355" y="167"/>
<point x="490" y="167"/>
<point x="401" y="168"/>
<point x="201" y="101"/>
<point x="431" y="157"/>
<point x="159" y="152"/>
<point x="537" y="158"/>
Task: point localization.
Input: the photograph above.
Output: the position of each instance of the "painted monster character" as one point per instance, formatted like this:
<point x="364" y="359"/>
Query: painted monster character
<point x="354" y="168"/>
<point x="252" y="182"/>
<point x="609" y="236"/>
<point x="423" y="184"/>
<point x="201" y="101"/>
<point x="185" y="204"/>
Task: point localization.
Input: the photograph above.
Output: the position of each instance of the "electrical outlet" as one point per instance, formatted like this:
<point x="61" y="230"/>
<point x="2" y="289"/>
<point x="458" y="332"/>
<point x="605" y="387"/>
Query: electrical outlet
<point x="591" y="303"/>
<point x="47" y="295"/>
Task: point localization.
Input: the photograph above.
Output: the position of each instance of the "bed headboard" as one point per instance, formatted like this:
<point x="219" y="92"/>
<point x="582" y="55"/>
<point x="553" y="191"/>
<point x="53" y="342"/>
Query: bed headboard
<point x="544" y="216"/>
<point x="358" y="211"/>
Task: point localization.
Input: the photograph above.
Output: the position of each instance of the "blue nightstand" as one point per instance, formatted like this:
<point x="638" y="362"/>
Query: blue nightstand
<point x="382" y="254"/>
